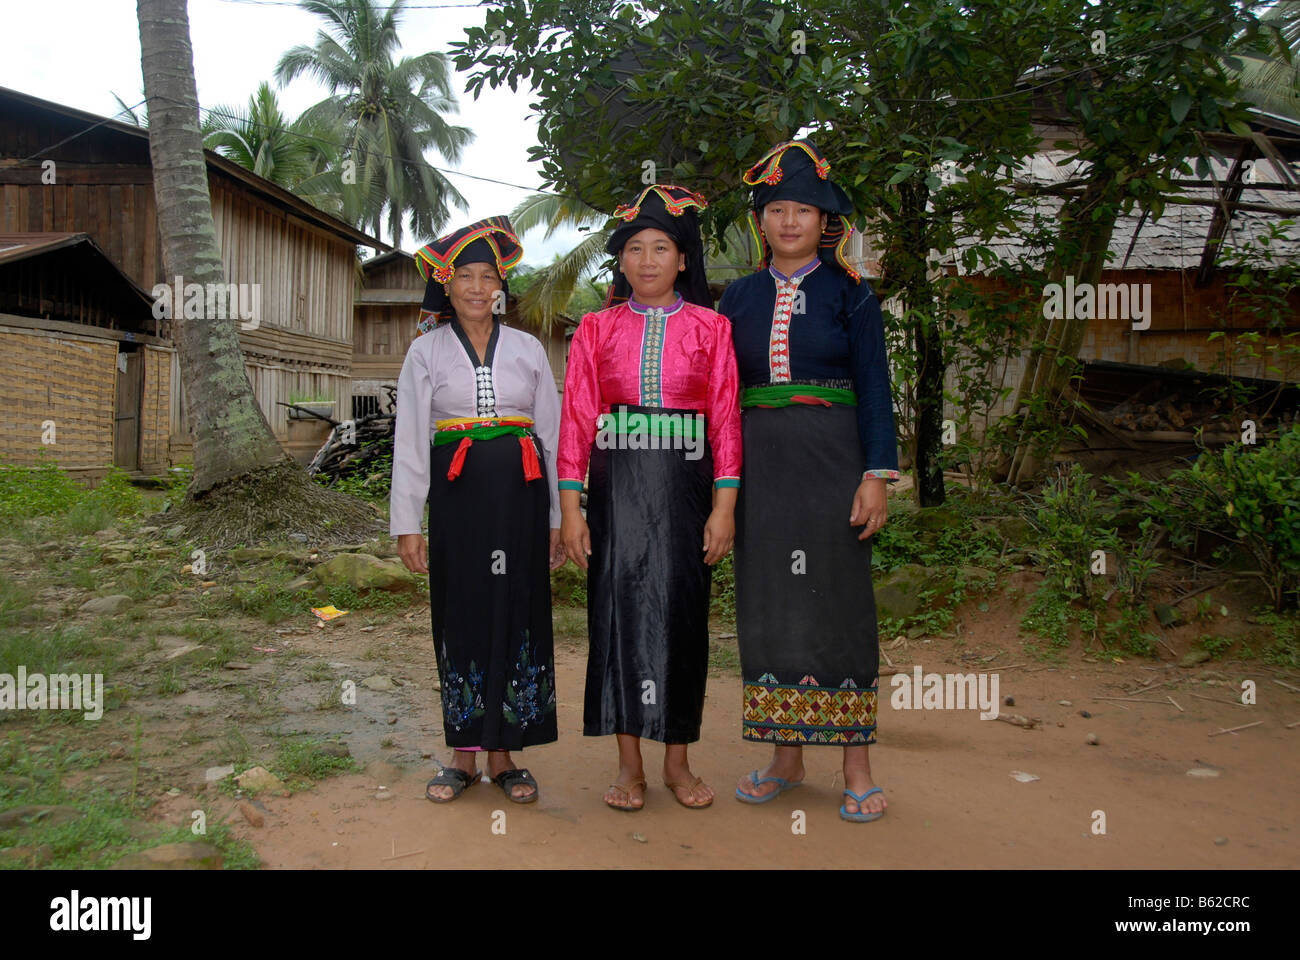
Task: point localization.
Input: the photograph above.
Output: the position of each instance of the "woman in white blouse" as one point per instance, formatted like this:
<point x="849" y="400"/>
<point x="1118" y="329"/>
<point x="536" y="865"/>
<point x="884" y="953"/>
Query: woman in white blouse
<point x="477" y="428"/>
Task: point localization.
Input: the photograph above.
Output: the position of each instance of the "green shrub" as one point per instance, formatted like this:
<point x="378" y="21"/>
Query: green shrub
<point x="1247" y="494"/>
<point x="37" y="491"/>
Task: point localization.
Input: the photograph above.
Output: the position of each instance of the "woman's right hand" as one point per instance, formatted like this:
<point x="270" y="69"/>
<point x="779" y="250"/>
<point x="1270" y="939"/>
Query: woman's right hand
<point x="576" y="537"/>
<point x="414" y="552"/>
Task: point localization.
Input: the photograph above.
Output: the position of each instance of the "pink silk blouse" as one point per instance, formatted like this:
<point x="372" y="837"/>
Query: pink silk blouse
<point x="679" y="356"/>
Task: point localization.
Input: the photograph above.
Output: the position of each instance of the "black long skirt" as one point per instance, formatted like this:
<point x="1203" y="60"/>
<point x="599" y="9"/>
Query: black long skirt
<point x="805" y="611"/>
<point x="490" y="597"/>
<point x="648" y="591"/>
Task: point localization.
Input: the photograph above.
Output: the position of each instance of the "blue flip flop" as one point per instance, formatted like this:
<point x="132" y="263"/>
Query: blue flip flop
<point x="782" y="786"/>
<point x="861" y="816"/>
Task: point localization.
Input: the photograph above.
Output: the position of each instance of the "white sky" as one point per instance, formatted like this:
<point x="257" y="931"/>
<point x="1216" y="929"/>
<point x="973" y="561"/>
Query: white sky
<point x="80" y="52"/>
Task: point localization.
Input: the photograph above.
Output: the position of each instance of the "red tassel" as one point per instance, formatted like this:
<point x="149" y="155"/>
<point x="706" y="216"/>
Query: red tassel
<point x="811" y="401"/>
<point x="458" y="460"/>
<point x="532" y="470"/>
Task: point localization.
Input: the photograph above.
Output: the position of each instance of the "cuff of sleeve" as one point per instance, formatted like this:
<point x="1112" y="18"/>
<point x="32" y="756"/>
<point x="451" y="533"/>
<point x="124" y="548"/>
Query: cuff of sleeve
<point x="721" y="482"/>
<point x="881" y="474"/>
<point x="570" y="484"/>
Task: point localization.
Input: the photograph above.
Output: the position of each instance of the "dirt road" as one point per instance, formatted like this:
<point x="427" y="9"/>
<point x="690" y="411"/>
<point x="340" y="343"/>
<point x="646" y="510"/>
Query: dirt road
<point x="947" y="773"/>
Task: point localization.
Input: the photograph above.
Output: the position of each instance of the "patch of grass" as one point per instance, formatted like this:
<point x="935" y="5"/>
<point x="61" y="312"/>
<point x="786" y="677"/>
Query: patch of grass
<point x="724" y="655"/>
<point x="36" y="491"/>
<point x="235" y="745"/>
<point x="147" y="581"/>
<point x="381" y="601"/>
<point x="268" y="598"/>
<point x="1284" y="648"/>
<point x="331" y="698"/>
<point x="106" y="831"/>
<point x="170" y="683"/>
<point x="16" y="601"/>
<point x="1213" y="645"/>
<point x="62" y="649"/>
<point x="569" y="586"/>
<point x="302" y="758"/>
<point x="1048" y="615"/>
<point x="320" y="670"/>
<point x="723" y="601"/>
<point x="1127" y="634"/>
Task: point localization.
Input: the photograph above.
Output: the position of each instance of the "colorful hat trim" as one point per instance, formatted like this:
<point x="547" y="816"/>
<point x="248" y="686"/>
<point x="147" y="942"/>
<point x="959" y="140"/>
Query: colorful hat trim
<point x="768" y="170"/>
<point x="441" y="266"/>
<point x="675" y="203"/>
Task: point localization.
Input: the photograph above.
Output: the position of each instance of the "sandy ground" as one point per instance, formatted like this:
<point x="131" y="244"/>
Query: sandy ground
<point x="947" y="774"/>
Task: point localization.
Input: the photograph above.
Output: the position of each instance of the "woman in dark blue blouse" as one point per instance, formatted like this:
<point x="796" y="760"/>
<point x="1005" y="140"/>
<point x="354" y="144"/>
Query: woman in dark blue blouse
<point x="818" y="423"/>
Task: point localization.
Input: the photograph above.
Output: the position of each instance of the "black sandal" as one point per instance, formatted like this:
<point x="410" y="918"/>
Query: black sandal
<point x="457" y="779"/>
<point x="507" y="780"/>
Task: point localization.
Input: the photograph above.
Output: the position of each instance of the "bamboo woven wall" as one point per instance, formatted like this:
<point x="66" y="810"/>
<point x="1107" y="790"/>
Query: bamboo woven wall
<point x="70" y="380"/>
<point x="155" y="410"/>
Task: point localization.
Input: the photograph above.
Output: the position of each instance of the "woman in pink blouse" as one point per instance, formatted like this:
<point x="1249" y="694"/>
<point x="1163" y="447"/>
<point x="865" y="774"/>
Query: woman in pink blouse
<point x="477" y="427"/>
<point x="650" y="404"/>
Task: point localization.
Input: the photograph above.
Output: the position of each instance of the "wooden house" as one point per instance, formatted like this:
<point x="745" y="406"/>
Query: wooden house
<point x="85" y="367"/>
<point x="63" y="170"/>
<point x="1179" y="266"/>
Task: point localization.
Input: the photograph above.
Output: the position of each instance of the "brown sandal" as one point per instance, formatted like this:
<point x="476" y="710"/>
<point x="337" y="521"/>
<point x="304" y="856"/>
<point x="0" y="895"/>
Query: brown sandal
<point x="691" y="787"/>
<point x="627" y="790"/>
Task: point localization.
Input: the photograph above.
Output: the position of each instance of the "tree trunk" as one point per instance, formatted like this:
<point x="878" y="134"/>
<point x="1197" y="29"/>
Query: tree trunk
<point x="1083" y="245"/>
<point x="918" y="304"/>
<point x="231" y="435"/>
<point x="245" y="488"/>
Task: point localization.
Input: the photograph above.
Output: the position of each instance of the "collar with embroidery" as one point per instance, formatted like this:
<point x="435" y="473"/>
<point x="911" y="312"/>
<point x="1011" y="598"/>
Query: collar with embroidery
<point x="667" y="311"/>
<point x="799" y="274"/>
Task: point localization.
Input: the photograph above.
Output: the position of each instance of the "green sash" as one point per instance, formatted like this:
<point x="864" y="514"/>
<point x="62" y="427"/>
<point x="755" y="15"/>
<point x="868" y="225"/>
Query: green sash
<point x="783" y="394"/>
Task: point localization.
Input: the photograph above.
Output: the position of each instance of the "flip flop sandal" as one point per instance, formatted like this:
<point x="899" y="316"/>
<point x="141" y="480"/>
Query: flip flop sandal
<point x="861" y="816"/>
<point x="507" y="780"/>
<point x="782" y="786"/>
<point x="457" y="779"/>
<point x="687" y="786"/>
<point x="627" y="790"/>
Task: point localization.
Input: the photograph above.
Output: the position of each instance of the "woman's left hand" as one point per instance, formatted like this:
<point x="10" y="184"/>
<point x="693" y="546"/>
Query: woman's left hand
<point x="869" y="506"/>
<point x="719" y="532"/>
<point x="558" y="555"/>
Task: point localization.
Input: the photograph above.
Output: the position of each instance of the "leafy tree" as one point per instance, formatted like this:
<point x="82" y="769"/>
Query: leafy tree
<point x="694" y="92"/>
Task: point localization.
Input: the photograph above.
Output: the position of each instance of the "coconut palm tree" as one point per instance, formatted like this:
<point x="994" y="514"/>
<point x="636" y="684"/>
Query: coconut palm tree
<point x="391" y="112"/>
<point x="1273" y="82"/>
<point x="300" y="155"/>
<point x="549" y="295"/>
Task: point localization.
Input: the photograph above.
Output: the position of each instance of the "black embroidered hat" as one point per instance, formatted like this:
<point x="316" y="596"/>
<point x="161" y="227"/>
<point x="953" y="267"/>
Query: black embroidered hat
<point x="796" y="170"/>
<point x="671" y="209"/>
<point x="489" y="241"/>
